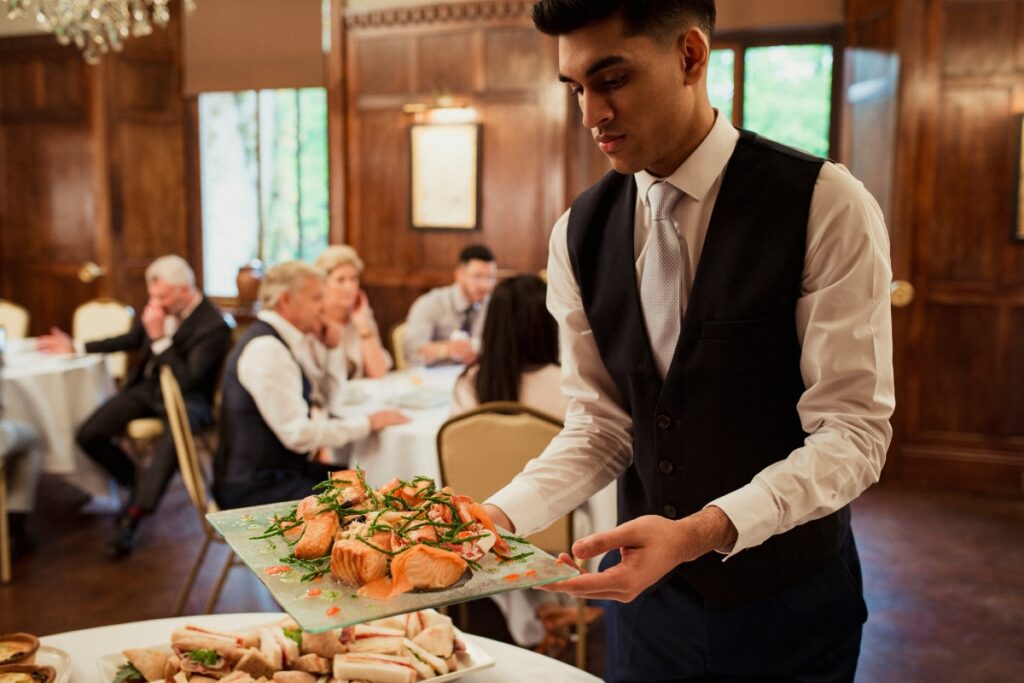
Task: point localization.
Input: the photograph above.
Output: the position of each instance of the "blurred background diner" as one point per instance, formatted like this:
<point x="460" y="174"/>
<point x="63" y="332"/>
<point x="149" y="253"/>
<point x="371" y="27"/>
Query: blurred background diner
<point x="362" y="193"/>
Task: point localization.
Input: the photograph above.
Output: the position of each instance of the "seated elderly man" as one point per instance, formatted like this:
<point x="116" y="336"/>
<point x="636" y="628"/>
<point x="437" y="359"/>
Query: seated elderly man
<point x="275" y="419"/>
<point x="180" y="328"/>
<point x="444" y="325"/>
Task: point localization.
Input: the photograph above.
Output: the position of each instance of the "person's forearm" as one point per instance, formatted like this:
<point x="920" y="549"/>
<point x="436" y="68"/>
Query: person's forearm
<point x="375" y="363"/>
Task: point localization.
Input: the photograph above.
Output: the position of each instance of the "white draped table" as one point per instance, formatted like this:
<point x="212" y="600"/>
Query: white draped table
<point x="55" y="394"/>
<point x="512" y="664"/>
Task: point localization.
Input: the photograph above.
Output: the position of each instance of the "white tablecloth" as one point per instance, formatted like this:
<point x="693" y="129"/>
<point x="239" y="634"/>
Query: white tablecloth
<point x="512" y="664"/>
<point x="55" y="394"/>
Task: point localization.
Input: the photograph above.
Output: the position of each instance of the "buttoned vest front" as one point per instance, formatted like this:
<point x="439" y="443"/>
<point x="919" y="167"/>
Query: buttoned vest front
<point x="728" y="405"/>
<point x="247" y="444"/>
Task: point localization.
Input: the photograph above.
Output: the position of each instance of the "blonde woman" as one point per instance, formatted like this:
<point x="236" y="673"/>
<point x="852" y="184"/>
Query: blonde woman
<point x="349" y="319"/>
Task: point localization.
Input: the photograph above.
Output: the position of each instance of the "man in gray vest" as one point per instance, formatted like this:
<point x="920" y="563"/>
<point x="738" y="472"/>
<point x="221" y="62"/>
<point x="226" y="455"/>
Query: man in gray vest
<point x="726" y="339"/>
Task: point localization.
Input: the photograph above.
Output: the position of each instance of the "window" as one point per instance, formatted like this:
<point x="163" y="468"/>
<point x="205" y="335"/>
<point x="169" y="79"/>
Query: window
<point x="782" y="90"/>
<point x="263" y="179"/>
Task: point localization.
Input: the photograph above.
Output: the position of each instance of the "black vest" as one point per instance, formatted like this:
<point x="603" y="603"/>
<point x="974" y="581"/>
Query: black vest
<point x="727" y="408"/>
<point x="247" y="445"/>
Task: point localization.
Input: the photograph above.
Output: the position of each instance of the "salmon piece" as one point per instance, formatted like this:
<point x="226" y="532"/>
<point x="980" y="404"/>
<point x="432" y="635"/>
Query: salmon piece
<point x="471" y="511"/>
<point x="352" y="491"/>
<point x="356" y="563"/>
<point x="422" y="566"/>
<point x="320" y="527"/>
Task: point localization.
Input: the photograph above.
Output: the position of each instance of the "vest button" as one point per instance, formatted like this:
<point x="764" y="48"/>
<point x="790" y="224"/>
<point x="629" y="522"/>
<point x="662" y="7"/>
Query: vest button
<point x="665" y="467"/>
<point x="670" y="511"/>
<point x="663" y="422"/>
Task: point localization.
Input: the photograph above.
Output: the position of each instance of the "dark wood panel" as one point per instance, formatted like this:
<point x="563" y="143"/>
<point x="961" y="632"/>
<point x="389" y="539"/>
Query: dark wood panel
<point x="980" y="38"/>
<point x="972" y="185"/>
<point x="1012" y="379"/>
<point x="383" y="66"/>
<point x="957" y="365"/>
<point x="144" y="88"/>
<point x="447" y="63"/>
<point x="515" y="59"/>
<point x="960" y="470"/>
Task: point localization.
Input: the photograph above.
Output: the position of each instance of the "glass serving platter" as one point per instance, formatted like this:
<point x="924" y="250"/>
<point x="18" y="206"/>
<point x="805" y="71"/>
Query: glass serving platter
<point x="326" y="603"/>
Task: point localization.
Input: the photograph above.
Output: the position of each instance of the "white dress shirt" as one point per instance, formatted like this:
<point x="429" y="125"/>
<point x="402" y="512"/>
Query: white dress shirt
<point x="438" y="314"/>
<point x="843" y="323"/>
<point x="272" y="374"/>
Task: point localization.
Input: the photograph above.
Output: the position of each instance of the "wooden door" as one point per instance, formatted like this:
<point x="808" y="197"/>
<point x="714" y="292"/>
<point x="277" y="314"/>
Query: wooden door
<point x="48" y="180"/>
<point x="959" y="353"/>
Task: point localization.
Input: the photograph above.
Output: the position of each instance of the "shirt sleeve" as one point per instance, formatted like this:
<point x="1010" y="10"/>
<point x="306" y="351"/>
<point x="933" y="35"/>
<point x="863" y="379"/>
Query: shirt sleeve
<point x="160" y="345"/>
<point x="267" y="370"/>
<point x="419" y="328"/>
<point x="595" y="446"/>
<point x="844" y="325"/>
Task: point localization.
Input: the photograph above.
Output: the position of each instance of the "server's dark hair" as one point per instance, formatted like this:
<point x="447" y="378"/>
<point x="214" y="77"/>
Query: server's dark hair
<point x="519" y="335"/>
<point x="476" y="252"/>
<point x="655" y="18"/>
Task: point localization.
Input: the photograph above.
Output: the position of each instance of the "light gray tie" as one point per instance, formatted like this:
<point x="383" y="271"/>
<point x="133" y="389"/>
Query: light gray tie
<point x="660" y="283"/>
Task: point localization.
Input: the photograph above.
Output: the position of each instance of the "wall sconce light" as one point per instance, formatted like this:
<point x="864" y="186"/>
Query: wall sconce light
<point x="444" y="109"/>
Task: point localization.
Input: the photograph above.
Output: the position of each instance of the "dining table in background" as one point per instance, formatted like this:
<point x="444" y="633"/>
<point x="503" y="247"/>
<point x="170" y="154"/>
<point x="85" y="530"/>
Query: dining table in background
<point x="511" y="664"/>
<point x="425" y="395"/>
<point x="55" y="394"/>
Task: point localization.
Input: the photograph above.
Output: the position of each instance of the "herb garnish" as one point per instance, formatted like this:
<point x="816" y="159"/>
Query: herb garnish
<point x="204" y="656"/>
<point x="127" y="672"/>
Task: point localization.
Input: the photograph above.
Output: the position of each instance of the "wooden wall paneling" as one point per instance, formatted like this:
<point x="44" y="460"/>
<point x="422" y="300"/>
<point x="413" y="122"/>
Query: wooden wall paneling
<point x="337" y="107"/>
<point x="486" y="54"/>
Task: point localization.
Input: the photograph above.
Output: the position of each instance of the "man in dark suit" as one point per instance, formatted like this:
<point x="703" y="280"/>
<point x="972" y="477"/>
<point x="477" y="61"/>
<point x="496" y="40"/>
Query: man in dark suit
<point x="179" y="328"/>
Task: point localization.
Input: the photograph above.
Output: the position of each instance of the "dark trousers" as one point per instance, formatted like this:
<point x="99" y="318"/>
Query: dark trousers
<point x="99" y="434"/>
<point x="272" y="486"/>
<point x="809" y="633"/>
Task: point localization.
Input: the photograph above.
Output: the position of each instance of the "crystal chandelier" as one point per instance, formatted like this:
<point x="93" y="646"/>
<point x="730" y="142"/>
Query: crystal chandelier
<point x="95" y="26"/>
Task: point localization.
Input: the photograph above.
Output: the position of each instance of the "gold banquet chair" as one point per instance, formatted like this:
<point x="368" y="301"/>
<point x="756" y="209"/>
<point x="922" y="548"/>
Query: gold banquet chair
<point x="14" y="319"/>
<point x="483" y="449"/>
<point x="398" y="345"/>
<point x="100" y="319"/>
<point x="195" y="484"/>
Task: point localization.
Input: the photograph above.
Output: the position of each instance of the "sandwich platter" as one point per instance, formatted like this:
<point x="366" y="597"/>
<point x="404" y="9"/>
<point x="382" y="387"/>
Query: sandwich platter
<point x="324" y="603"/>
<point x="470" y="660"/>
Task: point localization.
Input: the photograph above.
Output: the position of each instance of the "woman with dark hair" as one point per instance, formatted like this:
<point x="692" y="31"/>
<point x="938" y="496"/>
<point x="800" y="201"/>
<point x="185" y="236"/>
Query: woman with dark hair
<point x="519" y="352"/>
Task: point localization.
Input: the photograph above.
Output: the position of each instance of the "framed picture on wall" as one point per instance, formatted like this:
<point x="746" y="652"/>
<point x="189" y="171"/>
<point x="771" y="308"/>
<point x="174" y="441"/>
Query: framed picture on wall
<point x="445" y="182"/>
<point x="1018" y="204"/>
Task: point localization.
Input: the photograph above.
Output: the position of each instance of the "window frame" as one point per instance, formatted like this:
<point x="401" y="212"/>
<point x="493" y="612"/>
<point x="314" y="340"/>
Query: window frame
<point x="740" y="41"/>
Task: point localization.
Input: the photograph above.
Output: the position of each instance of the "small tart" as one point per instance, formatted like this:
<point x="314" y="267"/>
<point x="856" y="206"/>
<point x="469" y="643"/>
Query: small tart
<point x="22" y="673"/>
<point x="18" y="648"/>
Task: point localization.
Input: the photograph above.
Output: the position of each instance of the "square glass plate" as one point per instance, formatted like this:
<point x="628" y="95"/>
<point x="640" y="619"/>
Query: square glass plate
<point x="471" y="661"/>
<point x="317" y="612"/>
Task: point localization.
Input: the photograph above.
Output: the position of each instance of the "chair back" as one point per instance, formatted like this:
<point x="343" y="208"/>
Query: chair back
<point x="398" y="345"/>
<point x="480" y="451"/>
<point x="101" y="319"/>
<point x="14" y="319"/>
<point x="185" y="446"/>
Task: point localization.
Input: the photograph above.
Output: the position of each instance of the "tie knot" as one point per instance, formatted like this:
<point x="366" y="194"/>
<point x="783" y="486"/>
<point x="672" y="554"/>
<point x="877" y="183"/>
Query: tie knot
<point x="662" y="197"/>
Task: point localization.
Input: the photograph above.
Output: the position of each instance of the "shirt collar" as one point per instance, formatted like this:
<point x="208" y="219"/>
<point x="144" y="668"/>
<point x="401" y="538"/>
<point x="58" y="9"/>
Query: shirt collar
<point x="698" y="173"/>
<point x="289" y="333"/>
<point x="461" y="302"/>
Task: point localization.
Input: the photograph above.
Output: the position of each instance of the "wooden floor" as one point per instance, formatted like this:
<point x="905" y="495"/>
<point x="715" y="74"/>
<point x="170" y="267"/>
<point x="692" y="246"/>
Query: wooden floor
<point x="944" y="579"/>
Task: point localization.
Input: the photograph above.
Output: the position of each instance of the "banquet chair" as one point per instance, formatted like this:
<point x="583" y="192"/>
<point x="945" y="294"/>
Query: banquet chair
<point x="14" y="319"/>
<point x="100" y="319"/>
<point x="195" y="484"/>
<point x="508" y="435"/>
<point x="398" y="346"/>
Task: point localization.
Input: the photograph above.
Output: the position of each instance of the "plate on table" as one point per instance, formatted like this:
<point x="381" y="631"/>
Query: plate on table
<point x="58" y="659"/>
<point x="334" y="604"/>
<point x="474" y="659"/>
<point x="425" y="397"/>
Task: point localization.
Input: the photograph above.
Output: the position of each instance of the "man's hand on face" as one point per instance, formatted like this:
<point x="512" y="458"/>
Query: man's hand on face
<point x="153" y="320"/>
<point x="57" y="341"/>
<point x="330" y="333"/>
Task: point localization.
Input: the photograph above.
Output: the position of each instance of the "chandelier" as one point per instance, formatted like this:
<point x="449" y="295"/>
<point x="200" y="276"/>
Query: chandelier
<point x="95" y="26"/>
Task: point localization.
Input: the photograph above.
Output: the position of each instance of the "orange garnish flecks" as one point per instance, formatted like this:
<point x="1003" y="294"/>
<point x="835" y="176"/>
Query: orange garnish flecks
<point x="332" y="610"/>
<point x="313" y="592"/>
<point x="530" y="572"/>
<point x="276" y="569"/>
<point x="511" y="577"/>
<point x="559" y="561"/>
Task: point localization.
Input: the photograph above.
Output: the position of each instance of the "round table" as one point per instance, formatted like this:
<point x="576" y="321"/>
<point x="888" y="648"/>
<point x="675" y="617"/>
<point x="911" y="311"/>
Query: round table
<point x="55" y="394"/>
<point x="512" y="664"/>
